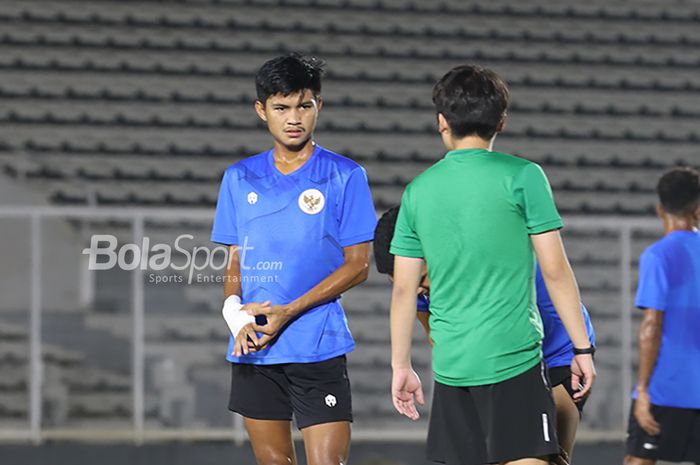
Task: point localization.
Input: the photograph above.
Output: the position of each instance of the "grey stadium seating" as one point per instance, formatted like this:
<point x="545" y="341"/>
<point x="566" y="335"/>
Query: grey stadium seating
<point x="109" y="103"/>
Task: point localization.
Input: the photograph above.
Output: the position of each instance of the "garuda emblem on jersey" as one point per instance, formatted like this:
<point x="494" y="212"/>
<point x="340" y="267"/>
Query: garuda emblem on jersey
<point x="311" y="201"/>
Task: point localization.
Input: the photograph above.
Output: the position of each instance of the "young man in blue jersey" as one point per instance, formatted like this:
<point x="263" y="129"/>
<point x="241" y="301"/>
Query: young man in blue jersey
<point x="664" y="421"/>
<point x="299" y="220"/>
<point x="557" y="348"/>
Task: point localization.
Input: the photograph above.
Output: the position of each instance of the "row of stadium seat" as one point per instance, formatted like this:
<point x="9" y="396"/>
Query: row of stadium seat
<point x="154" y="156"/>
<point x="585" y="181"/>
<point x="474" y="32"/>
<point x="63" y="197"/>
<point x="68" y="95"/>
<point x="123" y="67"/>
<point x="603" y="11"/>
<point x="516" y="56"/>
<point x="121" y="121"/>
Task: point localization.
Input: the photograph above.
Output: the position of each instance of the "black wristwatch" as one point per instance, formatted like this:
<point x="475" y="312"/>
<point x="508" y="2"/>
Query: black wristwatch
<point x="587" y="350"/>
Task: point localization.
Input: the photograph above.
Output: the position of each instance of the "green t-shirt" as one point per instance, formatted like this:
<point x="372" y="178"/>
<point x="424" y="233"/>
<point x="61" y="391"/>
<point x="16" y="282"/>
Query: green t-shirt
<point x="470" y="216"/>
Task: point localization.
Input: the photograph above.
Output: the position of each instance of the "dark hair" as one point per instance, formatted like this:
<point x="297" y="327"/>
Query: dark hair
<point x="679" y="190"/>
<point x="472" y="99"/>
<point x="288" y="74"/>
<point x="383" y="234"/>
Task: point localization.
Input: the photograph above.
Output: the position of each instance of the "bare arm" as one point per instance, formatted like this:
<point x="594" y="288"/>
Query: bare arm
<point x="561" y="284"/>
<point x="405" y="383"/>
<point x="232" y="274"/>
<point x="245" y="340"/>
<point x="352" y="272"/>
<point x="403" y="309"/>
<point x="649" y="344"/>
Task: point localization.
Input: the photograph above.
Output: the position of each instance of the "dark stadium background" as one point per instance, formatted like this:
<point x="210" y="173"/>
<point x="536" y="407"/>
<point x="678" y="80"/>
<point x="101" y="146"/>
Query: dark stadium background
<point x="119" y="117"/>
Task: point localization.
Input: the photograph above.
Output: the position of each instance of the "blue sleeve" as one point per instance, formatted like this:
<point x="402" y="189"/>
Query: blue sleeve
<point x="224" y="230"/>
<point x="357" y="216"/>
<point x="589" y="324"/>
<point x="652" y="290"/>
<point x="422" y="304"/>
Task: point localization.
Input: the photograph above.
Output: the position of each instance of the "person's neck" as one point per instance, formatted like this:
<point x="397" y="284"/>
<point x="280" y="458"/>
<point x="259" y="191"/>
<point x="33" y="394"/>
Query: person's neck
<point x="472" y="142"/>
<point x="289" y="159"/>
<point x="674" y="223"/>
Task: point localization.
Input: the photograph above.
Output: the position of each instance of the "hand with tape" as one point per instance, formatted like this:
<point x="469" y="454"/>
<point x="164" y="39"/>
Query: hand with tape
<point x="241" y="323"/>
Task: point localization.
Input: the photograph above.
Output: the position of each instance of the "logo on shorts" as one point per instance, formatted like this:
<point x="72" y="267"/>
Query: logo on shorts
<point x="331" y="400"/>
<point x="650" y="446"/>
<point x="311" y="201"/>
<point x="252" y="198"/>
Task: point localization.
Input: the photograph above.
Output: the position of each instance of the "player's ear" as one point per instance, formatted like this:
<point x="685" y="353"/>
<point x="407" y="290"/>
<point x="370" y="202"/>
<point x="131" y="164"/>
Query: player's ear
<point x="442" y="123"/>
<point x="319" y="103"/>
<point x="502" y="125"/>
<point x="660" y="210"/>
<point x="260" y="110"/>
<point x="696" y="214"/>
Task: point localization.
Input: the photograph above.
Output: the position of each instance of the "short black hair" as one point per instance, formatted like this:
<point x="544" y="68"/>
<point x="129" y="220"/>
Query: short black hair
<point x="679" y="190"/>
<point x="473" y="100"/>
<point x="288" y="74"/>
<point x="383" y="234"/>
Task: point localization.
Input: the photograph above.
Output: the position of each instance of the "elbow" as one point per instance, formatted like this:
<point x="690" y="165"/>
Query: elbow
<point x="363" y="272"/>
<point x="649" y="334"/>
<point x="555" y="272"/>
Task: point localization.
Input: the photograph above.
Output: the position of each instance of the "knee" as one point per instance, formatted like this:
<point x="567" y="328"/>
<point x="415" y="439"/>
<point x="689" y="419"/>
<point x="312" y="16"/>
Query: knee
<point x="632" y="460"/>
<point x="328" y="459"/>
<point x="275" y="458"/>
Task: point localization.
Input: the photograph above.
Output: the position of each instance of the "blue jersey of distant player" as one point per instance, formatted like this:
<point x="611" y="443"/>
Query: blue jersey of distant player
<point x="669" y="281"/>
<point x="423" y="303"/>
<point x="557" y="348"/>
<point x="291" y="230"/>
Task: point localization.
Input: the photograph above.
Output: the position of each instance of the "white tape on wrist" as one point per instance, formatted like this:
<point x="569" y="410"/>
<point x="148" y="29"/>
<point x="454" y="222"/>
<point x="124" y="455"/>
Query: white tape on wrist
<point x="235" y="318"/>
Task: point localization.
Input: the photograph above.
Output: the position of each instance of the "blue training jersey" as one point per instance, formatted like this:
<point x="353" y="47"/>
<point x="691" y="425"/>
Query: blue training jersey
<point x="557" y="348"/>
<point x="291" y="230"/>
<point x="669" y="281"/>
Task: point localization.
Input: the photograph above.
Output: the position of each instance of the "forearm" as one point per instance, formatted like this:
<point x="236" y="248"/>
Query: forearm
<point x="649" y="343"/>
<point x="232" y="275"/>
<point x="561" y="284"/>
<point x="347" y="276"/>
<point x="402" y="316"/>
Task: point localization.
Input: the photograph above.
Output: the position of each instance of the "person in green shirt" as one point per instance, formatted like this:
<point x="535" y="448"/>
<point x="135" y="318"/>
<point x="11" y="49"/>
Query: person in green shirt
<point x="477" y="218"/>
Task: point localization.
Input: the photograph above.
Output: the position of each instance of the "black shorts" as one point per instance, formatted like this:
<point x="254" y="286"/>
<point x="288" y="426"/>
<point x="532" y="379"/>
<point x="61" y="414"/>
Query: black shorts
<point x="679" y="440"/>
<point x="562" y="375"/>
<point x="314" y="393"/>
<point x="500" y="422"/>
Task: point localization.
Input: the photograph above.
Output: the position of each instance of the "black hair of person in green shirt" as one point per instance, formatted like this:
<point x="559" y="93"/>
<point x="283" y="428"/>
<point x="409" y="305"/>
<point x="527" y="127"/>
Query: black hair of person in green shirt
<point x="477" y="218"/>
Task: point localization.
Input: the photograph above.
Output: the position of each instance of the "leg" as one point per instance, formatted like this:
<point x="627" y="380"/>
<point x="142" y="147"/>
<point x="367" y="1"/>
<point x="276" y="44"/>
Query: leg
<point x="327" y="443"/>
<point x="568" y="418"/>
<point x="322" y="402"/>
<point x="519" y="418"/>
<point x="272" y="441"/>
<point x="538" y="461"/>
<point x="632" y="460"/>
